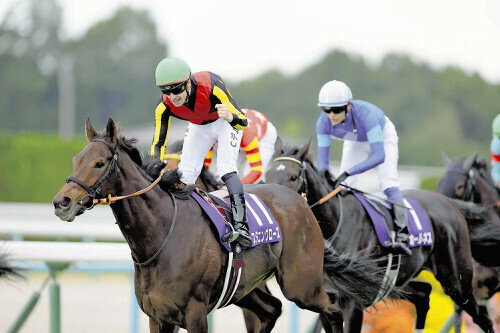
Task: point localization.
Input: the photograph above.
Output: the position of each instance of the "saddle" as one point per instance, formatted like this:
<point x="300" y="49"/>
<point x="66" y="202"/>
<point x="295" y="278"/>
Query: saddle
<point x="419" y="228"/>
<point x="262" y="226"/>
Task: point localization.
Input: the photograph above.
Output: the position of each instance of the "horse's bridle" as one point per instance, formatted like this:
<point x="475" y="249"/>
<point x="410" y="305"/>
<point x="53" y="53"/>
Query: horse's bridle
<point x="470" y="184"/>
<point x="302" y="174"/>
<point x="94" y="190"/>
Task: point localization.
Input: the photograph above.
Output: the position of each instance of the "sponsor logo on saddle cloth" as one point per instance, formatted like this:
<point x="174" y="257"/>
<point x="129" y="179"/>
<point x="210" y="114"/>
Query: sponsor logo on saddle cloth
<point x="418" y="223"/>
<point x="262" y="226"/>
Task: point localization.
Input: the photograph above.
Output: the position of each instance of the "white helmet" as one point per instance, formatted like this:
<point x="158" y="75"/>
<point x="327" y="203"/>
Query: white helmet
<point x="334" y="93"/>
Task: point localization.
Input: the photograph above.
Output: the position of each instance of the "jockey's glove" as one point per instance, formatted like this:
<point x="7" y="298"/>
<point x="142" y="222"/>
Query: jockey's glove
<point x="339" y="179"/>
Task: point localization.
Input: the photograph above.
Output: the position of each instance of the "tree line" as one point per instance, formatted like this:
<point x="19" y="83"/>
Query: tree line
<point x="114" y="62"/>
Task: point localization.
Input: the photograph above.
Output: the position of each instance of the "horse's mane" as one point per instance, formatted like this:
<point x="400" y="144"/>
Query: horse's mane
<point x="152" y="167"/>
<point x="169" y="181"/>
<point x="292" y="151"/>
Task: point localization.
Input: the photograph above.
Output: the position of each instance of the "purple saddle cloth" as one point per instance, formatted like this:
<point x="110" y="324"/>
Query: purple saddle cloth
<point x="262" y="226"/>
<point x="418" y="223"/>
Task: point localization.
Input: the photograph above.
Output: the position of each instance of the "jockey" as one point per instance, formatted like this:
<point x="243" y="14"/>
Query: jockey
<point x="370" y="140"/>
<point x="202" y="99"/>
<point x="257" y="144"/>
<point x="495" y="151"/>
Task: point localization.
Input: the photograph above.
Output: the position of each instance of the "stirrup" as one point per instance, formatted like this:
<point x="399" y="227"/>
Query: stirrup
<point x="230" y="236"/>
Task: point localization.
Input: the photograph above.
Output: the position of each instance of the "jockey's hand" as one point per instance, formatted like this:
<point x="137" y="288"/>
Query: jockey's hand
<point x="223" y="112"/>
<point x="339" y="179"/>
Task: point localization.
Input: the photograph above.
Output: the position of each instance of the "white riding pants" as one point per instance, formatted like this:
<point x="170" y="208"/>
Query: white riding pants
<point x="198" y="140"/>
<point x="354" y="152"/>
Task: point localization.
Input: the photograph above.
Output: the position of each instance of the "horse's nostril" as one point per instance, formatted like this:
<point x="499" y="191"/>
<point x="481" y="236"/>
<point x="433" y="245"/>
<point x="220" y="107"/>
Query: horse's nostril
<point x="65" y="202"/>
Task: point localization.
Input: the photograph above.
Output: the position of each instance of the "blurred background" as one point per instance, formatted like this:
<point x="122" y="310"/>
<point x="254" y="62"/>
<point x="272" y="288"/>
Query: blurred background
<point x="431" y="66"/>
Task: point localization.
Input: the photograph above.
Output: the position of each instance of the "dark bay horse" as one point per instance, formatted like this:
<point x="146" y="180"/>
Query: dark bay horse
<point x="180" y="263"/>
<point x="469" y="179"/>
<point x="344" y="220"/>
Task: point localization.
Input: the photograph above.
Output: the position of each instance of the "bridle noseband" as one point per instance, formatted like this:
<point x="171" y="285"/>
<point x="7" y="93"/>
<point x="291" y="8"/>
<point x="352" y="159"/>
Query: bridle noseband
<point x="94" y="190"/>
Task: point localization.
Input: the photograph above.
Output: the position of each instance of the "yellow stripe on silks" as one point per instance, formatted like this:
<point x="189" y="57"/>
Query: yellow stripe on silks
<point x="253" y="157"/>
<point x="221" y="95"/>
<point x="258" y="168"/>
<point x="252" y="145"/>
<point x="158" y="115"/>
<point x="210" y="154"/>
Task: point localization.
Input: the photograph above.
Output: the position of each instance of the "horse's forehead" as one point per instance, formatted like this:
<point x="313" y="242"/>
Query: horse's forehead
<point x="92" y="151"/>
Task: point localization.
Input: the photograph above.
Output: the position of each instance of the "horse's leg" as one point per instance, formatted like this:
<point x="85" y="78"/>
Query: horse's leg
<point x="419" y="295"/>
<point x="252" y="322"/>
<point x="353" y="318"/>
<point x="265" y="306"/>
<point x="456" y="280"/>
<point x="196" y="317"/>
<point x="155" y="327"/>
<point x="458" y="319"/>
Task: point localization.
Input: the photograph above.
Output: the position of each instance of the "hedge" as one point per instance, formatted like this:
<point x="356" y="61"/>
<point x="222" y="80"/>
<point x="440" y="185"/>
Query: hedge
<point x="33" y="166"/>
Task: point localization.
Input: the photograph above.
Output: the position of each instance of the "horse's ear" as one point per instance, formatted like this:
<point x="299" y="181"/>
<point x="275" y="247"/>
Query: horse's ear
<point x="90" y="132"/>
<point x="304" y="151"/>
<point x="470" y="161"/>
<point x="111" y="131"/>
<point x="446" y="160"/>
<point x="278" y="147"/>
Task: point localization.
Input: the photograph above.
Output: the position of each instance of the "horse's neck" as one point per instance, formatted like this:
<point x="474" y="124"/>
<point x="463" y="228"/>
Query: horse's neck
<point x="329" y="211"/>
<point x="141" y="219"/>
<point x="487" y="193"/>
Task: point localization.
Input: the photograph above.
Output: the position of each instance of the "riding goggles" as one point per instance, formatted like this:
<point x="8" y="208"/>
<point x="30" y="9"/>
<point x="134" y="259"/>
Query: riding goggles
<point x="173" y="89"/>
<point x="335" y="109"/>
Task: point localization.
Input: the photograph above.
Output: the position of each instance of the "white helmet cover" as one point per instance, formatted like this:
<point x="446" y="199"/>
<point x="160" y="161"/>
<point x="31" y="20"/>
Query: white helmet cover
<point x="334" y="93"/>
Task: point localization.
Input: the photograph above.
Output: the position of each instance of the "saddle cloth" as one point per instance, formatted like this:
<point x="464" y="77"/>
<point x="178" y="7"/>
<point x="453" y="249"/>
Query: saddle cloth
<point x="419" y="228"/>
<point x="262" y="225"/>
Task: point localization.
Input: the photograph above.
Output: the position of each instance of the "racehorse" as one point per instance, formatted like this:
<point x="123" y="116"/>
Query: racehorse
<point x="180" y="263"/>
<point x="469" y="179"/>
<point x="344" y="220"/>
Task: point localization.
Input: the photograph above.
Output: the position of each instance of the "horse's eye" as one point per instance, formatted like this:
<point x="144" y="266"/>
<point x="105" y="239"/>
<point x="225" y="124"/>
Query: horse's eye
<point x="99" y="165"/>
<point x="293" y="178"/>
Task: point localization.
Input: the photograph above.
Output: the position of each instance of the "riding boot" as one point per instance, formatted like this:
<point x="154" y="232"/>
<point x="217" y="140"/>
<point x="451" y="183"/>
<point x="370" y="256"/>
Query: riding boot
<point x="400" y="243"/>
<point x="238" y="207"/>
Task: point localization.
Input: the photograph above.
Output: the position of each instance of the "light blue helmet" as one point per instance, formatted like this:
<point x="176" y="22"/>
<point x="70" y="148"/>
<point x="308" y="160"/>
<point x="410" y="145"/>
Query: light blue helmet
<point x="334" y="93"/>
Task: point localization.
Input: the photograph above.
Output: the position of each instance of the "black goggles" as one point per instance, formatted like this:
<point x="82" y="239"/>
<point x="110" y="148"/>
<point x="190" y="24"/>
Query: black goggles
<point x="335" y="109"/>
<point x="173" y="89"/>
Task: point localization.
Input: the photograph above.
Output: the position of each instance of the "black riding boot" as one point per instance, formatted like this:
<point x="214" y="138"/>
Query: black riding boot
<point x="238" y="207"/>
<point x="400" y="244"/>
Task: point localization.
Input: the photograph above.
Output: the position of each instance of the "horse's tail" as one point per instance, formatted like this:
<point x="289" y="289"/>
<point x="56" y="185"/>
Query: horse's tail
<point x="484" y="235"/>
<point x="356" y="276"/>
<point x="6" y="269"/>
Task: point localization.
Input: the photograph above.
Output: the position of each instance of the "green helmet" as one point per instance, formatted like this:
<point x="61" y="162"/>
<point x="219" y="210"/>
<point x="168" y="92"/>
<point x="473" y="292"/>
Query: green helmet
<point x="172" y="70"/>
<point x="496" y="126"/>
